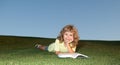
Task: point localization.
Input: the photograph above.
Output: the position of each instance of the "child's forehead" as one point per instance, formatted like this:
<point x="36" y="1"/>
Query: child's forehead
<point x="68" y="32"/>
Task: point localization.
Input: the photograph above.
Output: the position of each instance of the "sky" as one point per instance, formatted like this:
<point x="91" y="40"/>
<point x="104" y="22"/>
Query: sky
<point x="94" y="19"/>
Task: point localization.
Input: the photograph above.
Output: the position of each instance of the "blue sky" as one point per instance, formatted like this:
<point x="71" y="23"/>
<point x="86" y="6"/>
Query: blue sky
<point x="94" y="19"/>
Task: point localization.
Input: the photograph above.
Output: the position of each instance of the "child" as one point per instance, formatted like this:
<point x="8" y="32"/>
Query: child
<point x="66" y="42"/>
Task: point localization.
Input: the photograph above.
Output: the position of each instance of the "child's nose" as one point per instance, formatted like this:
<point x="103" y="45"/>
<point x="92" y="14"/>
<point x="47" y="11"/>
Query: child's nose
<point x="68" y="37"/>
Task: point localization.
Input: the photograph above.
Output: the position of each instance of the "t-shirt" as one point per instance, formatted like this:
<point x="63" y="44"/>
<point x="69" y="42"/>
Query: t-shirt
<point x="57" y="46"/>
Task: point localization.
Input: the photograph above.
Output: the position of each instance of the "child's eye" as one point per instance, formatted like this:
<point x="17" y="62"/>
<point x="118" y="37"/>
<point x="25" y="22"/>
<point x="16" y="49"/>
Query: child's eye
<point x="66" y="34"/>
<point x="71" y="35"/>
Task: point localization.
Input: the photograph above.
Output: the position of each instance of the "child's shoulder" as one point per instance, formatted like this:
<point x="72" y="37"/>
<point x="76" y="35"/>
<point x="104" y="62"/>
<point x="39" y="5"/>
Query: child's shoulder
<point x="57" y="41"/>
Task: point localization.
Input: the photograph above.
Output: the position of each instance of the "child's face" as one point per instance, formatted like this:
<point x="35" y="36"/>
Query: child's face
<point x="68" y="37"/>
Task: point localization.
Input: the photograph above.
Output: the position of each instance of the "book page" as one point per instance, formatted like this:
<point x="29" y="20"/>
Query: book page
<point x="71" y="55"/>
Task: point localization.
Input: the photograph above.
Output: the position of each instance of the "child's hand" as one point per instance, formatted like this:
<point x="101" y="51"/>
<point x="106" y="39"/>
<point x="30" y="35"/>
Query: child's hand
<point x="57" y="52"/>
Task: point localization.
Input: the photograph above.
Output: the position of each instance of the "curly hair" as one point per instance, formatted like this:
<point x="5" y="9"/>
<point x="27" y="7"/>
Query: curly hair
<point x="69" y="28"/>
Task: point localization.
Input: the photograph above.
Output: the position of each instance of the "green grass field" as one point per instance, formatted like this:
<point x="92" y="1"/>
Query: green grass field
<point x="20" y="51"/>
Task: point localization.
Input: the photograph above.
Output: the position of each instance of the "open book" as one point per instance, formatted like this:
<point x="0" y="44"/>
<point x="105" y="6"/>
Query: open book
<point x="72" y="55"/>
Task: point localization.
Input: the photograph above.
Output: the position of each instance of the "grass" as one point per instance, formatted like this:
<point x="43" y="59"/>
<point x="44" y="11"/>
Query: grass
<point x="20" y="51"/>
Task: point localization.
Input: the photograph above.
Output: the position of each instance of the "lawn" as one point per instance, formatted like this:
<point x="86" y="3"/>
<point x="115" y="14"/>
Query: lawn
<point x="16" y="50"/>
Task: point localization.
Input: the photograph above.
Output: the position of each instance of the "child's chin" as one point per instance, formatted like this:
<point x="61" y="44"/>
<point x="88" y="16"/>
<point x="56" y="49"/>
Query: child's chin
<point x="67" y="42"/>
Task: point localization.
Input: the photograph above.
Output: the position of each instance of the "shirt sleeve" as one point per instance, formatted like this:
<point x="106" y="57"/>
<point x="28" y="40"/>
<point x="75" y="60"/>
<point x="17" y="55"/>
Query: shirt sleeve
<point x="57" y="45"/>
<point x="74" y="48"/>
